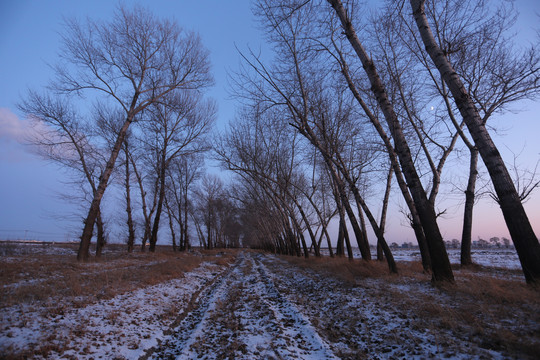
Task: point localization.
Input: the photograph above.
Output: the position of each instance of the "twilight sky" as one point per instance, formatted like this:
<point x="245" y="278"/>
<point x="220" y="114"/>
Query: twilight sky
<point x="29" y="40"/>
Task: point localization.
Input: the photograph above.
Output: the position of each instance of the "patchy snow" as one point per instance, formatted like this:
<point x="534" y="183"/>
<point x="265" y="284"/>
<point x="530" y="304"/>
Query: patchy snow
<point x="494" y="257"/>
<point x="261" y="306"/>
<point x="17" y="248"/>
<point x="363" y="321"/>
<point x="243" y="316"/>
<point x="122" y="327"/>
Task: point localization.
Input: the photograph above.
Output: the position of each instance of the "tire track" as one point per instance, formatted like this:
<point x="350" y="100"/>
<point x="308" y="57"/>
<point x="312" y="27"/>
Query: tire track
<point x="190" y="320"/>
<point x="296" y="327"/>
<point x="242" y="315"/>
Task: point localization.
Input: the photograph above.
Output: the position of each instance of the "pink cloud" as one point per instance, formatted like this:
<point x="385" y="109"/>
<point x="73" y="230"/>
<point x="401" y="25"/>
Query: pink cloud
<point x="20" y="137"/>
<point x="16" y="136"/>
<point x="11" y="127"/>
<point x="22" y="131"/>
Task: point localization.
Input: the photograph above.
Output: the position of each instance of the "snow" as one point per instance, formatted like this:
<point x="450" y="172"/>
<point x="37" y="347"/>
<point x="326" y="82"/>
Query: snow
<point x="495" y="257"/>
<point x="126" y="325"/>
<point x="261" y="306"/>
<point x="257" y="323"/>
<point x="361" y="320"/>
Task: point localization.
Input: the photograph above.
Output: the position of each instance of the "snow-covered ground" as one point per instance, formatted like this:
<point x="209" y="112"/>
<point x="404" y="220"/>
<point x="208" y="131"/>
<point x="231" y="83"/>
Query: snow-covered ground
<point x="494" y="257"/>
<point x="243" y="316"/>
<point x="262" y="307"/>
<point x="366" y="321"/>
<point x="123" y="327"/>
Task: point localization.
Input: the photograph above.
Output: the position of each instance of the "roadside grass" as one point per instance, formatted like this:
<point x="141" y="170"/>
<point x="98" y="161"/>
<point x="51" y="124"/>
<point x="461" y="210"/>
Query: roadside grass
<point x="49" y="283"/>
<point x="51" y="280"/>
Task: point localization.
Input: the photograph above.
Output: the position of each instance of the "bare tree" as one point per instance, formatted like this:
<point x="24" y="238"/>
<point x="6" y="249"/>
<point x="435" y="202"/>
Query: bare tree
<point x="127" y="186"/>
<point x="426" y="212"/>
<point x="67" y="139"/>
<point x="175" y="129"/>
<point x="182" y="174"/>
<point x="131" y="63"/>
<point x="475" y="38"/>
<point x="217" y="213"/>
<point x="523" y="236"/>
<point x="314" y="107"/>
<point x="272" y="166"/>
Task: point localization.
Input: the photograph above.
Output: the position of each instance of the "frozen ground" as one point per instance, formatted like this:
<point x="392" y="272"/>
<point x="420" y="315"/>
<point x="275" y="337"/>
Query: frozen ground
<point x="494" y="257"/>
<point x="122" y="327"/>
<point x="259" y="307"/>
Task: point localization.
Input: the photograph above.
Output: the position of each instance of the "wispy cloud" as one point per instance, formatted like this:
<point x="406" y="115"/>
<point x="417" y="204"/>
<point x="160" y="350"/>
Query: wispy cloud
<point x="11" y="127"/>
<point x="23" y="131"/>
<point x="15" y="135"/>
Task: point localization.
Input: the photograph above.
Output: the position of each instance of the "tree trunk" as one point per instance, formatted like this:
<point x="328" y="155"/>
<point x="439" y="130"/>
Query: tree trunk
<point x="86" y="237"/>
<point x="380" y="253"/>
<point x="382" y="221"/>
<point x="171" y="223"/>
<point x="466" y="236"/>
<point x="100" y="243"/>
<point x="365" y="239"/>
<point x="186" y="243"/>
<point x="302" y="239"/>
<point x="521" y="231"/>
<point x="182" y="239"/>
<point x="415" y="218"/>
<point x="381" y="241"/>
<point x="340" y="248"/>
<point x="146" y="235"/>
<point x="131" y="228"/>
<point x="161" y="198"/>
<point x="310" y="231"/>
<point x="144" y="206"/>
<point x="200" y="234"/>
<point x="324" y="229"/>
<point x="442" y="271"/>
<point x="362" y="246"/>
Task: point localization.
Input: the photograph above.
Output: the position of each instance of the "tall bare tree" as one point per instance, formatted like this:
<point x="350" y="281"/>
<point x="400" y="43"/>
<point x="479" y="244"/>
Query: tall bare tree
<point x="521" y="231"/>
<point x="173" y="129"/>
<point x="68" y="139"/>
<point x="476" y="37"/>
<point x="439" y="258"/>
<point x="182" y="174"/>
<point x="130" y="63"/>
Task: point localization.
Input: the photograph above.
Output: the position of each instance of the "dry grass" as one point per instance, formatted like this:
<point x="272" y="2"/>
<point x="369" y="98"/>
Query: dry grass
<point x="492" y="307"/>
<point x="45" y="279"/>
<point x="342" y="268"/>
<point x="54" y="285"/>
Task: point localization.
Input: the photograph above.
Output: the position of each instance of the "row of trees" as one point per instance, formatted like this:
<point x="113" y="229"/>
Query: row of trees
<point x="351" y="110"/>
<point x="353" y="105"/>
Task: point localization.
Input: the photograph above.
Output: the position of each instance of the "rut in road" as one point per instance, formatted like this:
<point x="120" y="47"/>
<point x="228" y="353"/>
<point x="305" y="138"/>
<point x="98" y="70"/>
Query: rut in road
<point x="242" y="315"/>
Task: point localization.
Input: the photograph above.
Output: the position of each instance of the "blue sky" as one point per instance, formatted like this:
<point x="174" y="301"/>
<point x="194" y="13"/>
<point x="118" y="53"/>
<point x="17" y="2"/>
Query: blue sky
<point x="29" y="40"/>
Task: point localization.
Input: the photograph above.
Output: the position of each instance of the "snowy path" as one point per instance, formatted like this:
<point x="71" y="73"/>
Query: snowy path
<point x="242" y="315"/>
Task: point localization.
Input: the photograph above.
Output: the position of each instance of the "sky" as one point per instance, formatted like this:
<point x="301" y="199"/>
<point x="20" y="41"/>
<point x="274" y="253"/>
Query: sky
<point x="30" y="40"/>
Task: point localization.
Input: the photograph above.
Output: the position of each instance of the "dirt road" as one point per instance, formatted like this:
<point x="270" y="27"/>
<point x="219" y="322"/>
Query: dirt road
<point x="243" y="315"/>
